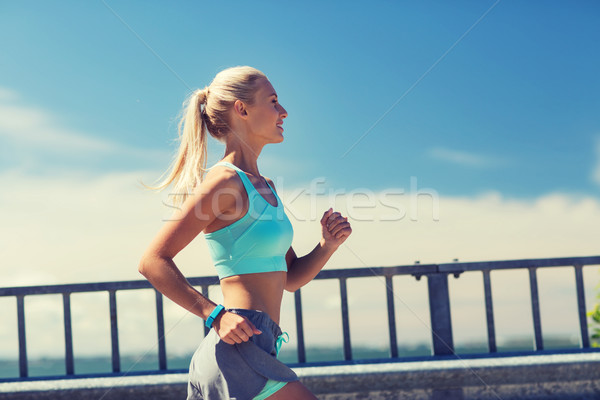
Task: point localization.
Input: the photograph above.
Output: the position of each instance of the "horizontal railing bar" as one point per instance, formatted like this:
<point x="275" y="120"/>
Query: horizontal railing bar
<point x="514" y="264"/>
<point x="416" y="269"/>
<point x="96" y="286"/>
<point x="376" y="271"/>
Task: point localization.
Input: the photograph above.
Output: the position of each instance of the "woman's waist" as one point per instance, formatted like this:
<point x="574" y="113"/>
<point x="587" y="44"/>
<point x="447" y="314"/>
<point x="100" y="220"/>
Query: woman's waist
<point x="273" y="311"/>
<point x="262" y="292"/>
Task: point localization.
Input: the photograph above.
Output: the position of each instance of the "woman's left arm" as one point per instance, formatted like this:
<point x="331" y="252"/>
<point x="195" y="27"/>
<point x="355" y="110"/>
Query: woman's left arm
<point x="301" y="270"/>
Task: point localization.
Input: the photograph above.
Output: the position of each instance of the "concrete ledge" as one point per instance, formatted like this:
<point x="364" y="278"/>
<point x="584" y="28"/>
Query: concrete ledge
<point x="565" y="376"/>
<point x="574" y="376"/>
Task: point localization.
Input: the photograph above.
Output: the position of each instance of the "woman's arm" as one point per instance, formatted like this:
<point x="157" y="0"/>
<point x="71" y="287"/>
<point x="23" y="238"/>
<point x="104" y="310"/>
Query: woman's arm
<point x="301" y="270"/>
<point x="209" y="200"/>
<point x="336" y="230"/>
<point x="304" y="269"/>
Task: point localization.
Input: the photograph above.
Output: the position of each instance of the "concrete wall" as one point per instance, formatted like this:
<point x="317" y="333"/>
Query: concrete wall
<point x="565" y="377"/>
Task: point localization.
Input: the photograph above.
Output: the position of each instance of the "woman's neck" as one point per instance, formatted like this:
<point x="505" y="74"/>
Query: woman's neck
<point x="245" y="161"/>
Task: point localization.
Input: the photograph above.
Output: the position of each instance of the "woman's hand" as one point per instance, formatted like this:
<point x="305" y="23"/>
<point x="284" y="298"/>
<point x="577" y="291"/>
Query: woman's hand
<point x="335" y="229"/>
<point x="233" y="328"/>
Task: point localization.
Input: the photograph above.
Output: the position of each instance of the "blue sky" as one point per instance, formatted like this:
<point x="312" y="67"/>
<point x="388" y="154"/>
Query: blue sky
<point x="512" y="107"/>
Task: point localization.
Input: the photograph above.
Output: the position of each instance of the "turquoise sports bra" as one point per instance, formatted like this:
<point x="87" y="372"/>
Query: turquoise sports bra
<point x="257" y="242"/>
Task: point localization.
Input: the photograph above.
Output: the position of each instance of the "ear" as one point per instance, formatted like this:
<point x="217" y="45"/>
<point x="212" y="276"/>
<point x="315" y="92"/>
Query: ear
<point x="239" y="108"/>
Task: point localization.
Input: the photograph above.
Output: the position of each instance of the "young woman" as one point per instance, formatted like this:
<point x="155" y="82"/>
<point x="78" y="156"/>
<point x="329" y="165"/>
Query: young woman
<point x="249" y="238"/>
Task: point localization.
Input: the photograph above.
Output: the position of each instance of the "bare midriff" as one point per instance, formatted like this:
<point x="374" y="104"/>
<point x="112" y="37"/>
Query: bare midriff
<point x="261" y="291"/>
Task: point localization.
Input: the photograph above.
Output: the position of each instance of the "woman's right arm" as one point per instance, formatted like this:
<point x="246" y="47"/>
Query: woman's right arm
<point x="208" y="200"/>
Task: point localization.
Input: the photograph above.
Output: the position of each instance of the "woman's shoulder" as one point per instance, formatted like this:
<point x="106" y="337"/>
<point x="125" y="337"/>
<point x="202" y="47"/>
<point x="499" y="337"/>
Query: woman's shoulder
<point x="221" y="177"/>
<point x="217" y="193"/>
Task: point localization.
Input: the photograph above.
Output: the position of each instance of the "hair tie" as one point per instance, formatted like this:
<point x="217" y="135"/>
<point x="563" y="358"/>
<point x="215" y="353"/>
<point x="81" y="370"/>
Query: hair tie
<point x="202" y="95"/>
<point x="205" y="90"/>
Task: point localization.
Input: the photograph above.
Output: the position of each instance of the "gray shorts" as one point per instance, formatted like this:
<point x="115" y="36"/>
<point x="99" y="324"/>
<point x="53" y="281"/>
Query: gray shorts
<point x="222" y="371"/>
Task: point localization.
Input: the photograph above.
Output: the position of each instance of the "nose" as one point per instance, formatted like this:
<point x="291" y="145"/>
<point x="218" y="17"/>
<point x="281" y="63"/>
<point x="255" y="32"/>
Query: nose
<point x="283" y="113"/>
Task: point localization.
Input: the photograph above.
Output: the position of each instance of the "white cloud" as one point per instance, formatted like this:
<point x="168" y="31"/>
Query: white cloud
<point x="8" y="94"/>
<point x="87" y="229"/>
<point x="35" y="127"/>
<point x="32" y="130"/>
<point x="465" y="158"/>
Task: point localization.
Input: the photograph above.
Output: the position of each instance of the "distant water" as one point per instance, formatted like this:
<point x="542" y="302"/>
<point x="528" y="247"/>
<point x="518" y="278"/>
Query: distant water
<point x="39" y="367"/>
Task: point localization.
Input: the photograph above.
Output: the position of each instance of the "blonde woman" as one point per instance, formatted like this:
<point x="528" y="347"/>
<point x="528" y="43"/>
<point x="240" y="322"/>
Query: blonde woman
<point x="249" y="238"/>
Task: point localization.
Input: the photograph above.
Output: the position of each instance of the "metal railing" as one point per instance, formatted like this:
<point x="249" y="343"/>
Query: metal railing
<point x="439" y="306"/>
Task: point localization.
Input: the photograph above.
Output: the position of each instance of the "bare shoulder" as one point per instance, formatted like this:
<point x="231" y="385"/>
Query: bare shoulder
<point x="206" y="199"/>
<point x="221" y="177"/>
<point x="211" y="198"/>
<point x="224" y="186"/>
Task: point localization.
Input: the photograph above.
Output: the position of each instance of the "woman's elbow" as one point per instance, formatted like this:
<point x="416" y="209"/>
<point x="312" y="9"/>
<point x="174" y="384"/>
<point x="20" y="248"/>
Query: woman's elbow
<point x="145" y="266"/>
<point x="291" y="286"/>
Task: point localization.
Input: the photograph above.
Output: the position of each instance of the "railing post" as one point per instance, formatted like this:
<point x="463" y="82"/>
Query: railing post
<point x="535" y="309"/>
<point x="439" y="311"/>
<point x="69" y="365"/>
<point x="389" y="284"/>
<point x="345" y="320"/>
<point x="489" y="311"/>
<point x="299" y="327"/>
<point x="22" y="339"/>
<point x="114" y="333"/>
<point x="205" y="294"/>
<point x="583" y="327"/>
<point x="160" y="324"/>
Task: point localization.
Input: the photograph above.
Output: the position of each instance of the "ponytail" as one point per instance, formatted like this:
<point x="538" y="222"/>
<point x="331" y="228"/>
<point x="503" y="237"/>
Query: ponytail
<point x="189" y="164"/>
<point x="206" y="110"/>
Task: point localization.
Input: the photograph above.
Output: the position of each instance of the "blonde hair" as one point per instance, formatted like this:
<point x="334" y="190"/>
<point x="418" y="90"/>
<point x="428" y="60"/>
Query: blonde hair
<point x="206" y="109"/>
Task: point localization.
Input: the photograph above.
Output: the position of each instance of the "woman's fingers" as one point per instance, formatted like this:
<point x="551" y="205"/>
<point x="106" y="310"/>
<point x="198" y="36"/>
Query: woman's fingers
<point x="333" y="218"/>
<point x="346" y="232"/>
<point x="339" y="226"/>
<point x="243" y="336"/>
<point x="235" y="328"/>
<point x="232" y="338"/>
<point x="255" y="330"/>
<point x="326" y="216"/>
<point x="228" y="341"/>
<point x="247" y="329"/>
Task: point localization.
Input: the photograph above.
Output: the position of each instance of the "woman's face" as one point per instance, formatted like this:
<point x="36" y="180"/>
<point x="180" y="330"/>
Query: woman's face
<point x="266" y="115"/>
